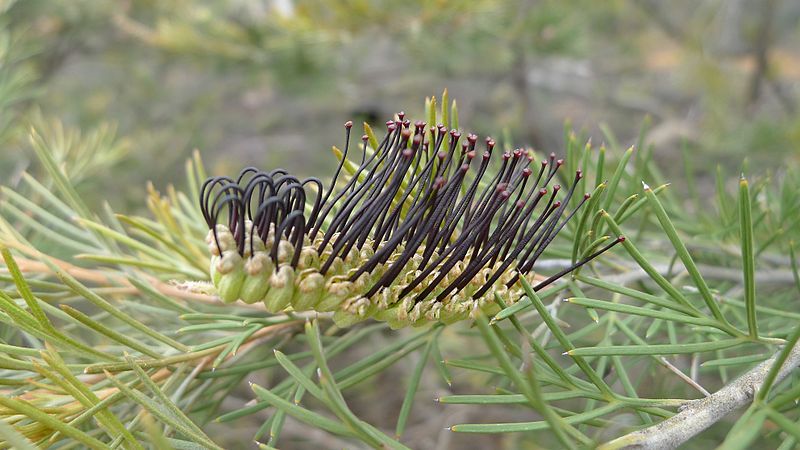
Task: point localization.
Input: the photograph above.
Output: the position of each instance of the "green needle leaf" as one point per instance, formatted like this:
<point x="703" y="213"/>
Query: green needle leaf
<point x="11" y="437"/>
<point x="588" y="211"/>
<point x="534" y="426"/>
<point x="103" y="304"/>
<point x="734" y="361"/>
<point x="795" y="271"/>
<point x="562" y="338"/>
<point x="441" y="367"/>
<point x="613" y="184"/>
<point x="683" y="253"/>
<point x="114" y="335"/>
<point x="413" y="382"/>
<point x="531" y="390"/>
<point x="298" y="375"/>
<point x="778" y="365"/>
<point x="748" y="257"/>
<point x="646" y="266"/>
<point x="336" y="401"/>
<point x="25" y="290"/>
<point x="659" y="349"/>
<point x="27" y="409"/>
<point x="162" y="413"/>
<point x="300" y="413"/>
<point x="639" y="311"/>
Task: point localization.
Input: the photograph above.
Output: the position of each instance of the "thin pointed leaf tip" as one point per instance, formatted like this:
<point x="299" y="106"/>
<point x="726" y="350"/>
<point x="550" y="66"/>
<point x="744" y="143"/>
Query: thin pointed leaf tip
<point x="424" y="225"/>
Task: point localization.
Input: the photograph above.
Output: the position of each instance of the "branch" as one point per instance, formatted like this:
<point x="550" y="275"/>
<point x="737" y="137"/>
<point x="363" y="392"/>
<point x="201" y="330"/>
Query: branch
<point x="698" y="415"/>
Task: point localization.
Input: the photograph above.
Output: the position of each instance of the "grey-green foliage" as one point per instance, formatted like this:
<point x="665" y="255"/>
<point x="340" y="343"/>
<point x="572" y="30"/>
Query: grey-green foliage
<point x="676" y="311"/>
<point x="98" y="348"/>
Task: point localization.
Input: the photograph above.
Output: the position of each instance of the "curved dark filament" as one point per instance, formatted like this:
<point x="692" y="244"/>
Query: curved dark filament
<point x="267" y="215"/>
<point x="206" y="195"/>
<point x="416" y="196"/>
<point x="295" y="220"/>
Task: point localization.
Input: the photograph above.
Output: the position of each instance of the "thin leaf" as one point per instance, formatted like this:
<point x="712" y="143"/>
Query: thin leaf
<point x="161" y="413"/>
<point x="639" y="311"/>
<point x="301" y="378"/>
<point x="416" y="375"/>
<point x="748" y="258"/>
<point x="784" y="422"/>
<point x="658" y="349"/>
<point x="791" y="342"/>
<point x="533" y="426"/>
<point x="337" y="403"/>
<point x="25" y="408"/>
<point x="441" y="367"/>
<point x="613" y="184"/>
<point x="162" y="398"/>
<point x="683" y="253"/>
<point x="562" y="337"/>
<point x="734" y="361"/>
<point x="11" y="437"/>
<point x="25" y="290"/>
<point x="111" y="334"/>
<point x="531" y="390"/>
<point x="505" y="399"/>
<point x="301" y="414"/>
<point x="589" y="209"/>
<point x="165" y="267"/>
<point x="87" y="397"/>
<point x="746" y="430"/>
<point x="101" y="303"/>
<point x="793" y="261"/>
<point x="43" y="152"/>
<point x="633" y="293"/>
<point x="646" y="266"/>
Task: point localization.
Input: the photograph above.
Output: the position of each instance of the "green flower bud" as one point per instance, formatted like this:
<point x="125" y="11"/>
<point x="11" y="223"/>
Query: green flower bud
<point x="282" y="289"/>
<point x="344" y="319"/>
<point x="426" y="233"/>
<point x="215" y="275"/>
<point x="337" y="289"/>
<point x="230" y="285"/>
<point x="310" y="290"/>
<point x="256" y="283"/>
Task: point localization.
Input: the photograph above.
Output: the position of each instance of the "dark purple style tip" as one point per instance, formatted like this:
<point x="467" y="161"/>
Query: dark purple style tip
<point x="417" y="193"/>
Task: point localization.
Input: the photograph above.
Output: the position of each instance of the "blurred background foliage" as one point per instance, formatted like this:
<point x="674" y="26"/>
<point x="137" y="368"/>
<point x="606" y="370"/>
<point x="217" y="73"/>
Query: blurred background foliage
<point x="269" y="82"/>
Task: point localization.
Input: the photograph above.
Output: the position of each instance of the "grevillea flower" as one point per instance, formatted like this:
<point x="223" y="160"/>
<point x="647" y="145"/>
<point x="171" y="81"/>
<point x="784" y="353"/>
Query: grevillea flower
<point x="427" y="226"/>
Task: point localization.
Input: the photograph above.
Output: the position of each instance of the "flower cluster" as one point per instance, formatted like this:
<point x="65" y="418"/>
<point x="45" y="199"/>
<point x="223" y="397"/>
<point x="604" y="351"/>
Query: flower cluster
<point x="426" y="227"/>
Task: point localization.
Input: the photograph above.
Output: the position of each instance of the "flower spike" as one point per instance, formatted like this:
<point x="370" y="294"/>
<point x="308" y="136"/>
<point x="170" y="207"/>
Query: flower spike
<point x="421" y="229"/>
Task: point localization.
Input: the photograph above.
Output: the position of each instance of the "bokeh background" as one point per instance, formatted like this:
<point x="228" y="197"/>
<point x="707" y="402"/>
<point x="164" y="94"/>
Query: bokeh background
<point x="270" y="83"/>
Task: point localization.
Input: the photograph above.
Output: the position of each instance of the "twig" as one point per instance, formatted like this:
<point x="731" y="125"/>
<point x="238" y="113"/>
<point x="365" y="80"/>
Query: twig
<point x="691" y="382"/>
<point x="700" y="414"/>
